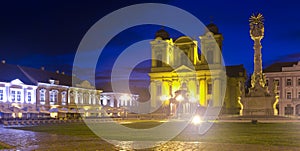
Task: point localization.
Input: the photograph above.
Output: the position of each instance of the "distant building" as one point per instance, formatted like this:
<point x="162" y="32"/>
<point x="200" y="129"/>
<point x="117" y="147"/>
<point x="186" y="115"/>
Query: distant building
<point x="287" y="76"/>
<point x="36" y="93"/>
<point x="171" y="76"/>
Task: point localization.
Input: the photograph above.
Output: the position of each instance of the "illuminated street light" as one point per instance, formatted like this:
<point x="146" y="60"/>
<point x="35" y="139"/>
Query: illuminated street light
<point x="179" y="98"/>
<point x="164" y="98"/>
<point x="196" y="120"/>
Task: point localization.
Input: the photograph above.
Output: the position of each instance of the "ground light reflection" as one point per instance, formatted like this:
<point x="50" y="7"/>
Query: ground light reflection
<point x="225" y="135"/>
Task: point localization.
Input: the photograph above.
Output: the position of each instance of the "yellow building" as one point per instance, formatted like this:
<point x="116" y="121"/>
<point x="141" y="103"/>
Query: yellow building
<point x="181" y="75"/>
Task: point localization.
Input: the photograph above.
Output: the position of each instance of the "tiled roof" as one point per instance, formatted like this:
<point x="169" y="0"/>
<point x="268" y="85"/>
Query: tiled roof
<point x="31" y="76"/>
<point x="277" y="67"/>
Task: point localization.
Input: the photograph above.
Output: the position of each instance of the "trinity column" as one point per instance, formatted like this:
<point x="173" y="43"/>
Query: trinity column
<point x="259" y="101"/>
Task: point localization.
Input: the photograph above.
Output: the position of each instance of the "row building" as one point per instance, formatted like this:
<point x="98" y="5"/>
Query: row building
<point x="36" y="93"/>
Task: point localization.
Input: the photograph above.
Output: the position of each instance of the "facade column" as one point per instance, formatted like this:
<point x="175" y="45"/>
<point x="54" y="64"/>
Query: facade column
<point x="216" y="93"/>
<point x="90" y="98"/>
<point x="153" y="94"/>
<point x="165" y="87"/>
<point x="203" y="85"/>
<point x="68" y="97"/>
<point x="192" y="87"/>
<point x="294" y="110"/>
<point x="75" y="96"/>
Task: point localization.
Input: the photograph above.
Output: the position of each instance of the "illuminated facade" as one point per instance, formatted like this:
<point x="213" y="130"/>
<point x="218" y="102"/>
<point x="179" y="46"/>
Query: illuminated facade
<point x="287" y="77"/>
<point x="179" y="70"/>
<point x="36" y="93"/>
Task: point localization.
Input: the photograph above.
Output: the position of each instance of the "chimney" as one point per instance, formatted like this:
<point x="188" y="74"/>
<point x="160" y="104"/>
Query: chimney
<point x="3" y="61"/>
<point x="43" y="68"/>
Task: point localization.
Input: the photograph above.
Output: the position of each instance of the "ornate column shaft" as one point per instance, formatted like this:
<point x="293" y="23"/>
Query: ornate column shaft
<point x="203" y="92"/>
<point x="257" y="33"/>
<point x="216" y="93"/>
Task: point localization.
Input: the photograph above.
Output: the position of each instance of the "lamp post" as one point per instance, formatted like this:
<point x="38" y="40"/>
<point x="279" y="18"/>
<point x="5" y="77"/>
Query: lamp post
<point x="164" y="98"/>
<point x="179" y="98"/>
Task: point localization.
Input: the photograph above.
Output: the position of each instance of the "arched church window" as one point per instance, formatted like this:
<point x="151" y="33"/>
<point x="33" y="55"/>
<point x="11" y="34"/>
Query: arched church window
<point x="159" y="60"/>
<point x="210" y="57"/>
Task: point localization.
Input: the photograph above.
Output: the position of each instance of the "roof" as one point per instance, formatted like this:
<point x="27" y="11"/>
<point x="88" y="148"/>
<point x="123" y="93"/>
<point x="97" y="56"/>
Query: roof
<point x="235" y="71"/>
<point x="277" y="67"/>
<point x="163" y="34"/>
<point x="32" y="76"/>
<point x="213" y="28"/>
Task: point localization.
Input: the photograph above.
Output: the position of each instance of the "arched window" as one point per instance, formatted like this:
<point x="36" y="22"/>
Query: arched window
<point x="42" y="96"/>
<point x="53" y="97"/>
<point x="64" y="98"/>
<point x="210" y="57"/>
<point x="159" y="60"/>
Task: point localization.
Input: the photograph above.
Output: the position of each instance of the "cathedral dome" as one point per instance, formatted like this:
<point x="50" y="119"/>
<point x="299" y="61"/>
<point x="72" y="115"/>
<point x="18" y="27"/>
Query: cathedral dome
<point x="162" y="34"/>
<point x="213" y="28"/>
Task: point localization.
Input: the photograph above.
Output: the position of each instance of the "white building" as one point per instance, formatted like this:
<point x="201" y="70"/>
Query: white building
<point x="287" y="75"/>
<point x="35" y="93"/>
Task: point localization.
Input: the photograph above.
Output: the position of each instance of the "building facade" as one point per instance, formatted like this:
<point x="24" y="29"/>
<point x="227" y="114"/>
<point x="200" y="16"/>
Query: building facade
<point x="182" y="77"/>
<point x="35" y="93"/>
<point x="287" y="77"/>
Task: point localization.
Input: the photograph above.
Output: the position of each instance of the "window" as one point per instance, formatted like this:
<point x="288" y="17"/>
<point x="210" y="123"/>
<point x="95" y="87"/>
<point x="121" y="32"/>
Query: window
<point x="298" y="95"/>
<point x="288" y="82"/>
<point x="18" y="96"/>
<point x="159" y="60"/>
<point x="267" y="82"/>
<point x="63" y="98"/>
<point x="1" y="95"/>
<point x="42" y="96"/>
<point x="29" y="96"/>
<point x="210" y="57"/>
<point x="289" y="95"/>
<point x="80" y="98"/>
<point x="53" y="97"/>
<point x="288" y="110"/>
<point x="85" y="98"/>
<point x="209" y="88"/>
<point x="276" y="81"/>
<point x="299" y="82"/>
<point x="13" y="96"/>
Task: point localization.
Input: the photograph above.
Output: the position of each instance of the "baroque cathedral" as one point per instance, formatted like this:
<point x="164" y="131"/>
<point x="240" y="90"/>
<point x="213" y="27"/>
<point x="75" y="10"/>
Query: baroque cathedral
<point x="180" y="74"/>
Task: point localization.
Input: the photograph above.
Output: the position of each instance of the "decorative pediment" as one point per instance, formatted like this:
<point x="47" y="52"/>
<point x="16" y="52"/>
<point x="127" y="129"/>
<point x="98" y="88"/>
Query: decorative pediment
<point x="16" y="82"/>
<point x="85" y="84"/>
<point x="183" y="68"/>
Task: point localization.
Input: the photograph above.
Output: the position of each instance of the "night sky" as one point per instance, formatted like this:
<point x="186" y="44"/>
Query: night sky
<point x="47" y="33"/>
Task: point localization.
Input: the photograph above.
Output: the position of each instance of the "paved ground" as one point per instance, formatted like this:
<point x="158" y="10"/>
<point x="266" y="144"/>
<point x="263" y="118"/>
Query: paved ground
<point x="27" y="140"/>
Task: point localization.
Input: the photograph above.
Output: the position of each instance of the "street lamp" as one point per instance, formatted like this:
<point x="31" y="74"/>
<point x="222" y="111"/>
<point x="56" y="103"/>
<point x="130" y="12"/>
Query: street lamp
<point x="164" y="99"/>
<point x="179" y="98"/>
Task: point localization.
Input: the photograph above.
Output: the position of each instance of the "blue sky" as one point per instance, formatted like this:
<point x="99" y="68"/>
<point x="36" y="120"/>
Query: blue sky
<point x="47" y="33"/>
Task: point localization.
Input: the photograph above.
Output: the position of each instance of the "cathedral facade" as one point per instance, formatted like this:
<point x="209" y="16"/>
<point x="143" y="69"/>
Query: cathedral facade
<point x="180" y="74"/>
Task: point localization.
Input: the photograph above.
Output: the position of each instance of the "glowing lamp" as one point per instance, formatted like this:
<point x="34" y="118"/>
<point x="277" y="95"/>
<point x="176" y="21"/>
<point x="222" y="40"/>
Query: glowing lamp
<point x="179" y="98"/>
<point x="163" y="97"/>
<point x="196" y="120"/>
